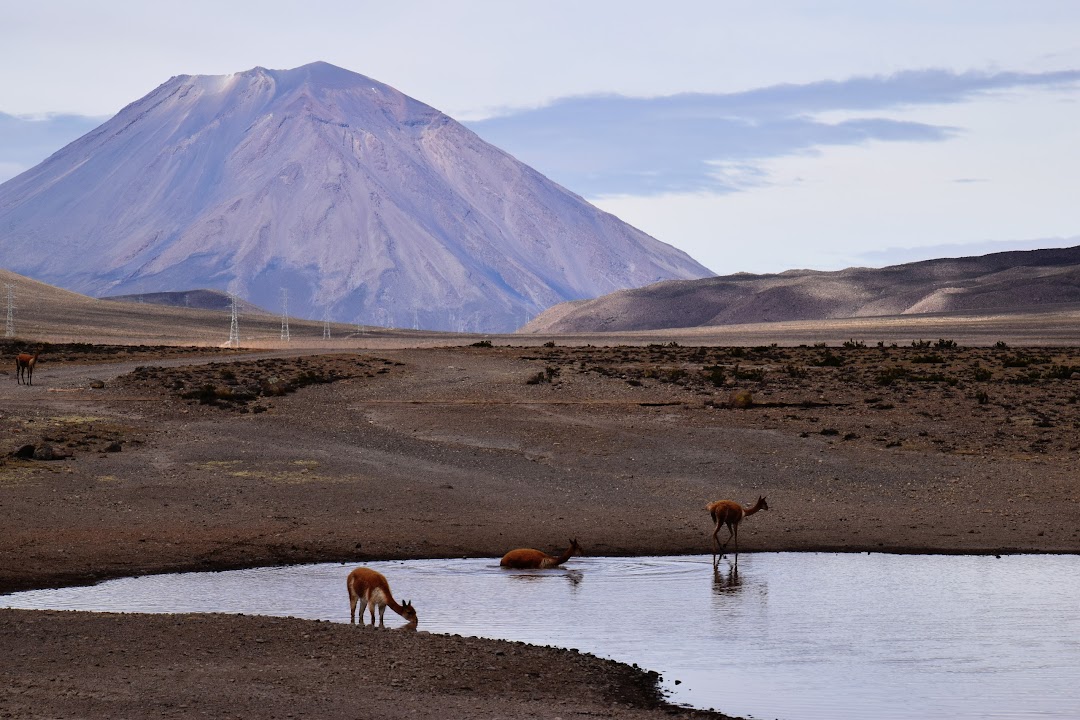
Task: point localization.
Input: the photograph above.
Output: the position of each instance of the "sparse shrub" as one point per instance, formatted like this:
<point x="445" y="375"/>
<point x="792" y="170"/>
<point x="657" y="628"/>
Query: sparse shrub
<point x="982" y="397"/>
<point x="1061" y="372"/>
<point x="920" y="344"/>
<point x="1020" y="361"/>
<point x="544" y="376"/>
<point x="673" y="375"/>
<point x="795" y="371"/>
<point x="852" y="344"/>
<point x="208" y="394"/>
<point x="1001" y="345"/>
<point x="943" y="344"/>
<point x="982" y="374"/>
<point x="549" y="344"/>
<point x="741" y="399"/>
<point x="755" y="374"/>
<point x="890" y="375"/>
<point x="482" y="344"/>
<point x="669" y="375"/>
<point x="928" y="359"/>
<point x="274" y="386"/>
<point x="829" y="360"/>
<point x="715" y="374"/>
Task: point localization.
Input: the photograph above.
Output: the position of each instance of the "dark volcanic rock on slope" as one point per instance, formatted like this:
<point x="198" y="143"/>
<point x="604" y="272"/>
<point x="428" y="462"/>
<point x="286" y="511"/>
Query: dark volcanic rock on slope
<point x="203" y="299"/>
<point x="368" y="205"/>
<point x="996" y="282"/>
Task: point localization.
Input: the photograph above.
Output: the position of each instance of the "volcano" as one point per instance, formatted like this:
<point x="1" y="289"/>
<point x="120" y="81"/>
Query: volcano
<point x="361" y="203"/>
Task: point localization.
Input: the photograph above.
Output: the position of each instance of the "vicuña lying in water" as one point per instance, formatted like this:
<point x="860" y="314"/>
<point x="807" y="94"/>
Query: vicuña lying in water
<point x="371" y="588"/>
<point x="529" y="559"/>
<point x="730" y="513"/>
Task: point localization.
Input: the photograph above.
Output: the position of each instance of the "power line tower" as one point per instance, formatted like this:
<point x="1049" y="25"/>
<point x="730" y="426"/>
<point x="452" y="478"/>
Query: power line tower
<point x="9" y="328"/>
<point x="285" y="314"/>
<point x="234" y="325"/>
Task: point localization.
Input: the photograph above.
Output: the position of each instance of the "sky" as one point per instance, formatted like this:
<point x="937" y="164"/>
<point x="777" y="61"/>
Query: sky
<point x="757" y="137"/>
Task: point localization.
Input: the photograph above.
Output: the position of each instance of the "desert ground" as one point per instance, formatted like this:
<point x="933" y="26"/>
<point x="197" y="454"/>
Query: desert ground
<point x="134" y="459"/>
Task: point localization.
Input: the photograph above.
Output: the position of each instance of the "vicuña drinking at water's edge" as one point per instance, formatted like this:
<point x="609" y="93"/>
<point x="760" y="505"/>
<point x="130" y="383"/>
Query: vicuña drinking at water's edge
<point x="730" y="513"/>
<point x="371" y="587"/>
<point x="529" y="559"/>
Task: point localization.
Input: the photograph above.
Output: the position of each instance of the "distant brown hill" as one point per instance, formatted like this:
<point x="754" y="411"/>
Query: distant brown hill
<point x="989" y="283"/>
<point x="50" y="314"/>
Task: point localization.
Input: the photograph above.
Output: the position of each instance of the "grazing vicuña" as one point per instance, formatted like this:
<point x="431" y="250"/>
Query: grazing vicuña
<point x="371" y="587"/>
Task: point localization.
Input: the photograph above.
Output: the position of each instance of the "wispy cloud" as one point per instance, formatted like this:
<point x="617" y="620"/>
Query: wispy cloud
<point x="26" y="141"/>
<point x="610" y="144"/>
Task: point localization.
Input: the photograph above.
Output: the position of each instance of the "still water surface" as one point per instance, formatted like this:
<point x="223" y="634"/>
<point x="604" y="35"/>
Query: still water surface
<point x="791" y="635"/>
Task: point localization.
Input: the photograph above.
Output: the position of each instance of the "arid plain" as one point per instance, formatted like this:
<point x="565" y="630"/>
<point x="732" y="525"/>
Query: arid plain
<point x="380" y="445"/>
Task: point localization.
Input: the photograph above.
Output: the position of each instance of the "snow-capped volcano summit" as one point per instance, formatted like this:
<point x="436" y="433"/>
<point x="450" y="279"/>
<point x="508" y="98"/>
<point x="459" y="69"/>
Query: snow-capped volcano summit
<point x="368" y="205"/>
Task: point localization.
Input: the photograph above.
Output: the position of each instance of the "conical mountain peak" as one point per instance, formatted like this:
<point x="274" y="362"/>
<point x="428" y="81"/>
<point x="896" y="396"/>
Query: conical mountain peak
<point x="367" y="205"/>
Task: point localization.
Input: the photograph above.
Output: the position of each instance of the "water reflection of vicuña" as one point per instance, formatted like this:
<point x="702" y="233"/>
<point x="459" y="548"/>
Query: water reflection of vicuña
<point x="726" y="582"/>
<point x="574" y="577"/>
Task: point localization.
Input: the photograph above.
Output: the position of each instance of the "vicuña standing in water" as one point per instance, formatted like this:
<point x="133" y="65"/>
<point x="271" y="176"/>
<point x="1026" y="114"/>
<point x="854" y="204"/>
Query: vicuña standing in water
<point x="730" y="513"/>
<point x="529" y="559"/>
<point x="24" y="367"/>
<point x="371" y="587"/>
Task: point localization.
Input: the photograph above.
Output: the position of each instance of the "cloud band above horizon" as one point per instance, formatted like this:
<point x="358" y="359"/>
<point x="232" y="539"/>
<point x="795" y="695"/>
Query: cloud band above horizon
<point x="604" y="145"/>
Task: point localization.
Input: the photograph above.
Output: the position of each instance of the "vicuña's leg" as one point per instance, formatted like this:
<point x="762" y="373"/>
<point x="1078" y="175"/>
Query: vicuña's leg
<point x="352" y="612"/>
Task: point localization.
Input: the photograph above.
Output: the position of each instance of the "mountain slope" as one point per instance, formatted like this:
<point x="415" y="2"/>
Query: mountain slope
<point x="200" y="299"/>
<point x="1001" y="281"/>
<point x="367" y="205"/>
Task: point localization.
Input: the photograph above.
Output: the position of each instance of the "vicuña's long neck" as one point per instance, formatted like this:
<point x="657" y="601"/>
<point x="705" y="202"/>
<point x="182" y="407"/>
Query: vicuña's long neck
<point x="393" y="604"/>
<point x="565" y="556"/>
<point x="751" y="510"/>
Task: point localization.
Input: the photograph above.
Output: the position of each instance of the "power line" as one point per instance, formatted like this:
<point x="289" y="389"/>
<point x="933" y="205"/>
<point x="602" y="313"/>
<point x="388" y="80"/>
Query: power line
<point x="234" y="324"/>
<point x="9" y="329"/>
<point x="285" y="314"/>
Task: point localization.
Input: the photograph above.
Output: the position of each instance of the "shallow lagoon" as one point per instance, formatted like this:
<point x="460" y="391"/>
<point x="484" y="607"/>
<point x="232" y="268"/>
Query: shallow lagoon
<point x="790" y="635"/>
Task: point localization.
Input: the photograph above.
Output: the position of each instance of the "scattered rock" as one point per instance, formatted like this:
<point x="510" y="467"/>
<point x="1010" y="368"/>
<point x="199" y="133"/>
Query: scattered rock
<point x="45" y="452"/>
<point x="97" y="384"/>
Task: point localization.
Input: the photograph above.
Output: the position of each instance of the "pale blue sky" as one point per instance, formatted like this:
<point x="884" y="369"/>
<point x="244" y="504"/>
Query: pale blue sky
<point x="755" y="136"/>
